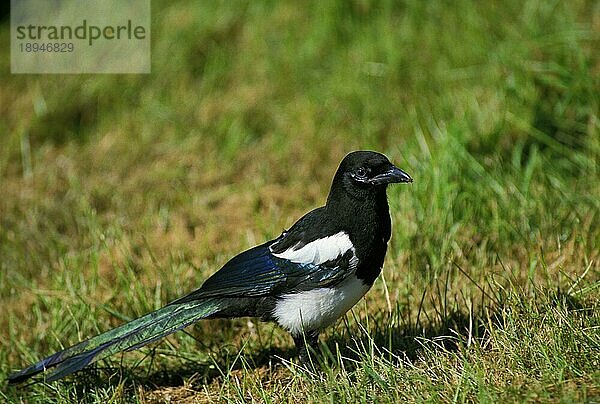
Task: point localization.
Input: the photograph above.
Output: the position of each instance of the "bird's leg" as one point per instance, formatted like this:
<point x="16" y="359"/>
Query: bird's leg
<point x="305" y="341"/>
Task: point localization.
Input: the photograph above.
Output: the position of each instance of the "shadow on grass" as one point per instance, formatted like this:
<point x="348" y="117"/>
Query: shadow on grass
<point x="404" y="341"/>
<point x="392" y="337"/>
<point x="353" y="344"/>
<point x="195" y="374"/>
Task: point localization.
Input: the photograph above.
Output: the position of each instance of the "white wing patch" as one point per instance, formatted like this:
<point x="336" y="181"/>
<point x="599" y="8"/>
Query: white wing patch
<point x="318" y="308"/>
<point x="319" y="251"/>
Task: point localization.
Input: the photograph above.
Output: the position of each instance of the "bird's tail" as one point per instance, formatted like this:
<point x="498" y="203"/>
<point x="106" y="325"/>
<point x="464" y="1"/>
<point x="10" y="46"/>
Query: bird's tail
<point x="127" y="337"/>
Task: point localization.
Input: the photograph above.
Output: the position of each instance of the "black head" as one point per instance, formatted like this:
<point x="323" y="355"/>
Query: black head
<point x="362" y="174"/>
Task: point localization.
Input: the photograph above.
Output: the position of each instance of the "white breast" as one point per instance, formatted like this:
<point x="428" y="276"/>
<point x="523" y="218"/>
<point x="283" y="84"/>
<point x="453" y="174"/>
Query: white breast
<point x="318" y="308"/>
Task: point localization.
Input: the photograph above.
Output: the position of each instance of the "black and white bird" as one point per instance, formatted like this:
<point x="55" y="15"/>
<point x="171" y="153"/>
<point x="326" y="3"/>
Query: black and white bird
<point x="304" y="280"/>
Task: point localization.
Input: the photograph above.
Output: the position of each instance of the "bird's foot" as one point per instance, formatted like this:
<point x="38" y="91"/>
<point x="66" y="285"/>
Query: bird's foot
<point x="306" y="343"/>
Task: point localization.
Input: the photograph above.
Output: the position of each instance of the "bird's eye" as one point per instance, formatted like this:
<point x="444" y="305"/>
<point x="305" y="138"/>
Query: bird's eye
<point x="361" y="172"/>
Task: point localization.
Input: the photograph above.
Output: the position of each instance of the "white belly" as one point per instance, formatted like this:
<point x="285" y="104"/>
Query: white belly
<point x="318" y="308"/>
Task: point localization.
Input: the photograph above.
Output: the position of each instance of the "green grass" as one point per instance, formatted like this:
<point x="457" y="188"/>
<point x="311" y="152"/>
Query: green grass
<point x="121" y="193"/>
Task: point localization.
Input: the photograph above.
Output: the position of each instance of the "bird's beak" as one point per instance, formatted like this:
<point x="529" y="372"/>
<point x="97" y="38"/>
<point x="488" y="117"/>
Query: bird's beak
<point x="394" y="174"/>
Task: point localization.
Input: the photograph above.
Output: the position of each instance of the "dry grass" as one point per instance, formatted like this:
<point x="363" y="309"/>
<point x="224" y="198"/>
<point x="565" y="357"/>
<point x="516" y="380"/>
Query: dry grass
<point x="120" y="193"/>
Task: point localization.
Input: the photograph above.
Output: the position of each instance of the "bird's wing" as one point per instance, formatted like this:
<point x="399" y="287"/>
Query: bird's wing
<point x="266" y="270"/>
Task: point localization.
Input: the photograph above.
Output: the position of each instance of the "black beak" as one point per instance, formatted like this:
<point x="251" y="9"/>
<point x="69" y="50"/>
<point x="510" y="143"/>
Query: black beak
<point x="393" y="174"/>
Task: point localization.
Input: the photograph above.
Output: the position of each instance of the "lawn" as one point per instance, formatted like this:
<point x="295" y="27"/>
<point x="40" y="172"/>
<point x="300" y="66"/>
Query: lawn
<point x="121" y="193"/>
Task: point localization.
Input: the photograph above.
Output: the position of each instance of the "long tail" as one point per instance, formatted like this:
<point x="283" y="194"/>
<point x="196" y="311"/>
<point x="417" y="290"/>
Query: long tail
<point x="129" y="336"/>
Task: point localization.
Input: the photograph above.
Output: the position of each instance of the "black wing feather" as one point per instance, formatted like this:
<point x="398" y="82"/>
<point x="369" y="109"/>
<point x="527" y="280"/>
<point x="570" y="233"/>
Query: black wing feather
<point x="257" y="273"/>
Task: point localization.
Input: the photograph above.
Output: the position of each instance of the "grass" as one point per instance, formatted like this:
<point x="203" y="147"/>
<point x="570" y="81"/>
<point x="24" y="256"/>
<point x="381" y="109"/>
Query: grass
<point x="121" y="193"/>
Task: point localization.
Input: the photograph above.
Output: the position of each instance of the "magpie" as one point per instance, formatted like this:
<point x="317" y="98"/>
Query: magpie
<point x="304" y="280"/>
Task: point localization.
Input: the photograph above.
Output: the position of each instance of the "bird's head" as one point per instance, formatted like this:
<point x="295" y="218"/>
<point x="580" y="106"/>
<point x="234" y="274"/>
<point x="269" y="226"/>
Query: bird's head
<point x="365" y="173"/>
